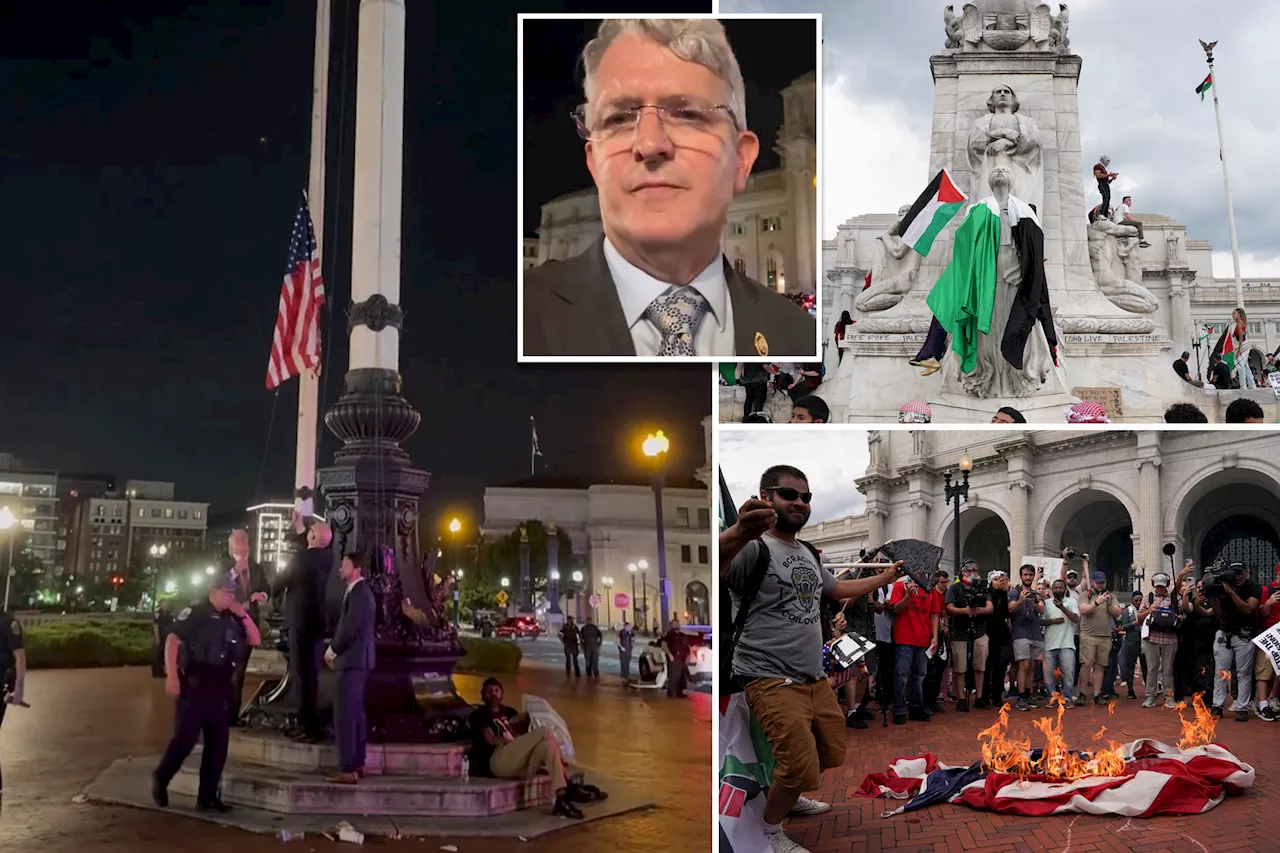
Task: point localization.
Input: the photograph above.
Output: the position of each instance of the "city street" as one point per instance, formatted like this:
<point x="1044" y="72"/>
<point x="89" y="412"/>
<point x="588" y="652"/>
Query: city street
<point x="82" y="720"/>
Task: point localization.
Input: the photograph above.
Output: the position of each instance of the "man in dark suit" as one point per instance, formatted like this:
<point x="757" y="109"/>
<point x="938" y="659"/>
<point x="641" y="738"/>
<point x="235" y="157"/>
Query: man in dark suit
<point x="303" y="582"/>
<point x="351" y="655"/>
<point x="251" y="584"/>
<point x="668" y="147"/>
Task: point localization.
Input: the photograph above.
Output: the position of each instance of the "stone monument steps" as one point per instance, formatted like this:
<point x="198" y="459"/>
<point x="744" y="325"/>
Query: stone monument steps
<point x="274" y="790"/>
<point x="425" y="761"/>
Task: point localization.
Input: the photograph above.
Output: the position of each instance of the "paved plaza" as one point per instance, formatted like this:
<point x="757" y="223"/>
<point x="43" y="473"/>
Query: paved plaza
<point x="83" y="720"/>
<point x="1243" y="824"/>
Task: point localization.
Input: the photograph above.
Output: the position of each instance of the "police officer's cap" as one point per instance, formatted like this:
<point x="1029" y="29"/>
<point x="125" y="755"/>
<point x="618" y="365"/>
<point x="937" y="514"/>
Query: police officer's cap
<point x="225" y="583"/>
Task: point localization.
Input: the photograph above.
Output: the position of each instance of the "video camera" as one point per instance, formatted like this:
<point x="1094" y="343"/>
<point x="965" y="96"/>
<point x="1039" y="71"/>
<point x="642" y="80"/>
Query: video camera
<point x="1219" y="576"/>
<point x="974" y="594"/>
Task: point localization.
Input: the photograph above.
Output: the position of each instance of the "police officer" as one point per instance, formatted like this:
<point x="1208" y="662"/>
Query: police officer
<point x="203" y="647"/>
<point x="13" y="667"/>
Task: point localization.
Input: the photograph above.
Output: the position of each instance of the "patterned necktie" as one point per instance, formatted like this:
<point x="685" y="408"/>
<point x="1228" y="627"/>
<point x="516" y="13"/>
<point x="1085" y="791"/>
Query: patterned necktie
<point x="676" y="316"/>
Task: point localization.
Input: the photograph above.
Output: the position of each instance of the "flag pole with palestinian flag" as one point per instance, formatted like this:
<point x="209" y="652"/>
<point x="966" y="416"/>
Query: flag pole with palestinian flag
<point x="935" y="207"/>
<point x="1209" y="84"/>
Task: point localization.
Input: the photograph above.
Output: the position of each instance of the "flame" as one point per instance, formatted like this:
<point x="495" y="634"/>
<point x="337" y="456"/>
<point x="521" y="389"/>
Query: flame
<point x="1111" y="709"/>
<point x="1199" y="731"/>
<point x="1003" y="754"/>
<point x="1224" y="675"/>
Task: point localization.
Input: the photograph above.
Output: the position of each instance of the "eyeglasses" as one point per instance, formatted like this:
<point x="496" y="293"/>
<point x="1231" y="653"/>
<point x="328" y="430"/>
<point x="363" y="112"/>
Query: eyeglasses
<point x="678" y="120"/>
<point x="789" y="494"/>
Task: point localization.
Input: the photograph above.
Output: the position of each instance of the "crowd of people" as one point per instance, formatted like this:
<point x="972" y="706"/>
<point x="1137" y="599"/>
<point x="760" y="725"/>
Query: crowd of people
<point x="980" y="640"/>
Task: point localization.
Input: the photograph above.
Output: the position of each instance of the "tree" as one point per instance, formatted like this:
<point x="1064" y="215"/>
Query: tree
<point x="499" y="558"/>
<point x="26" y="580"/>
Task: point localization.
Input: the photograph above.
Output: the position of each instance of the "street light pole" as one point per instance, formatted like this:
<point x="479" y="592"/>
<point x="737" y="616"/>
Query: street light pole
<point x="955" y="493"/>
<point x="632" y="568"/>
<point x="656" y="447"/>
<point x="608" y="593"/>
<point x="644" y="594"/>
<point x="454" y="526"/>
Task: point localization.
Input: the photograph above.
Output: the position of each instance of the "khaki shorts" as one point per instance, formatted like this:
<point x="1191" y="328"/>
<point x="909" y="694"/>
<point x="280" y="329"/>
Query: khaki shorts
<point x="959" y="662"/>
<point x="804" y="726"/>
<point x="1262" y="669"/>
<point x="1095" y="650"/>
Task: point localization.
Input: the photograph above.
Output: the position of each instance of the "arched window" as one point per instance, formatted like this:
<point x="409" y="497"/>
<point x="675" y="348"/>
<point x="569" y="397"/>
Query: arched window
<point x="697" y="603"/>
<point x="771" y="272"/>
<point x="740" y="266"/>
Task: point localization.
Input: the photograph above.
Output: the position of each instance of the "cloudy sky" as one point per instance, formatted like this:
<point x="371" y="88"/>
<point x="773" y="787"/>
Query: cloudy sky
<point x="831" y="458"/>
<point x="1142" y="62"/>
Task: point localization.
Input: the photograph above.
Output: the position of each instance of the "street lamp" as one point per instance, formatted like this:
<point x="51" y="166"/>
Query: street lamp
<point x="8" y="521"/>
<point x="506" y="582"/>
<point x="633" y="568"/>
<point x="170" y="587"/>
<point x="157" y="553"/>
<point x="454" y="526"/>
<point x="608" y="594"/>
<point x="209" y="570"/>
<point x="195" y="579"/>
<point x="577" y="577"/>
<point x="656" y="447"/>
<point x="956" y="492"/>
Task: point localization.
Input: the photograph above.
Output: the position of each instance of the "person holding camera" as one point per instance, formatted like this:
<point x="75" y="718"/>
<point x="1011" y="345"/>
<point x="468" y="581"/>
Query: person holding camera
<point x="778" y="656"/>
<point x="999" y="640"/>
<point x="1132" y="657"/>
<point x="917" y="614"/>
<point x="1161" y="616"/>
<point x="1233" y="597"/>
<point x="1061" y="614"/>
<point x="1193" y="664"/>
<point x="1025" y="609"/>
<point x="1098" y="607"/>
<point x="969" y="606"/>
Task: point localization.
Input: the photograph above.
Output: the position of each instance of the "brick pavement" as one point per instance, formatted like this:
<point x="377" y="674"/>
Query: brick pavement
<point x="1244" y="824"/>
<point x="82" y="720"/>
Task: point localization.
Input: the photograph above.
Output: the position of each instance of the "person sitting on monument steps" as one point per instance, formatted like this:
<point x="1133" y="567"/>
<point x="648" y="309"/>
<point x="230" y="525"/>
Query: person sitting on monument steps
<point x="668" y="147"/>
<point x="351" y="655"/>
<point x="1104" y="178"/>
<point x="303" y="583"/>
<point x="778" y="656"/>
<point x="1123" y="215"/>
<point x="504" y="747"/>
<point x="1184" y="372"/>
<point x="1219" y="373"/>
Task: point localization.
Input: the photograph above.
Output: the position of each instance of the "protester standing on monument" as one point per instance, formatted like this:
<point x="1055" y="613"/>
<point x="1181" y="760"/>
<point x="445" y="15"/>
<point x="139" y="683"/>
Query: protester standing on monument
<point x="199" y="657"/>
<point x="570" y="638"/>
<point x="1240" y="331"/>
<point x="778" y="659"/>
<point x="1104" y="178"/>
<point x="251" y="584"/>
<point x="351" y="655"/>
<point x="303" y="583"/>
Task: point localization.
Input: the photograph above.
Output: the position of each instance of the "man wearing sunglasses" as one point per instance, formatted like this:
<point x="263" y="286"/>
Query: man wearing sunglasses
<point x="668" y="145"/>
<point x="778" y="659"/>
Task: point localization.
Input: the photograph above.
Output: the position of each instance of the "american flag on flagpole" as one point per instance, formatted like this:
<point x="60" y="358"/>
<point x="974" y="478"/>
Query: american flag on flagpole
<point x="295" y="347"/>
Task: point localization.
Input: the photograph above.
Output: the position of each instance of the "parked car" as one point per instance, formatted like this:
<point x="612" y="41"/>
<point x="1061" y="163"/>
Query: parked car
<point x="519" y="627"/>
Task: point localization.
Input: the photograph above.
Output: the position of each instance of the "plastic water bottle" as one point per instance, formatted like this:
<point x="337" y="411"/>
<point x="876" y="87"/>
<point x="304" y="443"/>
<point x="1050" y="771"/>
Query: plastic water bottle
<point x="466" y="768"/>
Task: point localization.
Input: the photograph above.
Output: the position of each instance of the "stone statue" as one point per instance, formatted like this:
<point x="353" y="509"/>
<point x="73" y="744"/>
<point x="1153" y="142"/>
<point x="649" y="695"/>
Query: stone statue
<point x="994" y="376"/>
<point x="893" y="273"/>
<point x="919" y="443"/>
<point x="952" y="23"/>
<point x="1058" y="33"/>
<point x="874" y="438"/>
<point x="1171" y="247"/>
<point x="1004" y="138"/>
<point x="524" y="533"/>
<point x="1117" y="267"/>
<point x="433" y="618"/>
<point x="1006" y="25"/>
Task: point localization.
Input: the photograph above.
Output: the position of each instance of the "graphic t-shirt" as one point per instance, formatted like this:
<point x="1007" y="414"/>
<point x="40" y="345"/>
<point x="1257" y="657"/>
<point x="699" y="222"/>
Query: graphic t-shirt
<point x="782" y="637"/>
<point x="913" y="626"/>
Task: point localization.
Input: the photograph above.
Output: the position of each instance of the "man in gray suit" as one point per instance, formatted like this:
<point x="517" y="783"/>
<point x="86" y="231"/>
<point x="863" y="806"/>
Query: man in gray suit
<point x="351" y="655"/>
<point x="668" y="146"/>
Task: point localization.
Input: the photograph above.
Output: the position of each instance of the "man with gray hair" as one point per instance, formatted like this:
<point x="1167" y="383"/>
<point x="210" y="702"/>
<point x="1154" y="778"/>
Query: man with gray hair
<point x="668" y="146"/>
<point x="251" y="588"/>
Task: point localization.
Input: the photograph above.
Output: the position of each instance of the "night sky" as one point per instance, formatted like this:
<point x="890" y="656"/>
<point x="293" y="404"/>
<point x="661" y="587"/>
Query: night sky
<point x="150" y="169"/>
<point x="771" y="54"/>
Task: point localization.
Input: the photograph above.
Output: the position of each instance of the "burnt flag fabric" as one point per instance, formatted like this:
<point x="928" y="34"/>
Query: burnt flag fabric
<point x="1158" y="779"/>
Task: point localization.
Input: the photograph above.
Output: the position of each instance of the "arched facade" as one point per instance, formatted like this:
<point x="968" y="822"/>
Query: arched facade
<point x="1120" y="496"/>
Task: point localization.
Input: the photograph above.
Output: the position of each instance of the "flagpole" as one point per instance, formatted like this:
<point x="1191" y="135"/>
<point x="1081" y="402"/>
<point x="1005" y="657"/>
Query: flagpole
<point x="533" y="447"/>
<point x="309" y="380"/>
<point x="1226" y="180"/>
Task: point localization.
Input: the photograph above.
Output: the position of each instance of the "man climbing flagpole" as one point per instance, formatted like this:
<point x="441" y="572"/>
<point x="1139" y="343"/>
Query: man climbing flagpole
<point x="1211" y="83"/>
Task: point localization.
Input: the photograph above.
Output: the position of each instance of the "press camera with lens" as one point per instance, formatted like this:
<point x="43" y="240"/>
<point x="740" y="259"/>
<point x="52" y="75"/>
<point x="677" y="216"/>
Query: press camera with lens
<point x="1219" y="576"/>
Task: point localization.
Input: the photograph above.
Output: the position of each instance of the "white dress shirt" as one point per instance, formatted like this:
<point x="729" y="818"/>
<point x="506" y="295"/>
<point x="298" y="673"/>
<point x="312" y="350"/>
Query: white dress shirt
<point x="637" y="290"/>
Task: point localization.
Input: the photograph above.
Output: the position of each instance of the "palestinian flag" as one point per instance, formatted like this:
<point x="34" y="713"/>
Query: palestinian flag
<point x="746" y="771"/>
<point x="964" y="297"/>
<point x="728" y="372"/>
<point x="1226" y="347"/>
<point x="1205" y="86"/>
<point x="940" y="201"/>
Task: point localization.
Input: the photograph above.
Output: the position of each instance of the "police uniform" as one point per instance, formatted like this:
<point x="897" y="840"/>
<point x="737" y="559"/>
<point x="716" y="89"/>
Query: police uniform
<point x="10" y="644"/>
<point x="210" y="642"/>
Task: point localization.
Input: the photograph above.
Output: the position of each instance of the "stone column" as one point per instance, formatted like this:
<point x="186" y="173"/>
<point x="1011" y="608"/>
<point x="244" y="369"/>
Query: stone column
<point x="875" y="526"/>
<point x="1149" y="523"/>
<point x="526" y="583"/>
<point x="553" y="571"/>
<point x="920" y="519"/>
<point x="801" y="195"/>
<point x="1179" y="323"/>
<point x="1019" y="535"/>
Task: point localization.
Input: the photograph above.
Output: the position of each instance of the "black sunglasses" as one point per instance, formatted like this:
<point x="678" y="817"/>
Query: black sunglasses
<point x="789" y="494"/>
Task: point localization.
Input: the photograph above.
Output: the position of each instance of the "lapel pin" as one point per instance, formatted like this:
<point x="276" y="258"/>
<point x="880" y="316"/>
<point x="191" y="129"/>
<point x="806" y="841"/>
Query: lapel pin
<point x="762" y="345"/>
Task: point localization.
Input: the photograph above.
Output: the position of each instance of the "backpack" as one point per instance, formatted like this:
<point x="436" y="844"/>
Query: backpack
<point x="729" y="683"/>
<point x="1165" y="620"/>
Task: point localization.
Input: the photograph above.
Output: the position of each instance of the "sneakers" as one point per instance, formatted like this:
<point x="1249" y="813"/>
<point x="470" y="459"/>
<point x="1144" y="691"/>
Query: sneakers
<point x="1242" y="716"/>
<point x="1099" y="700"/>
<point x="982" y="705"/>
<point x="1025" y="704"/>
<point x="1216" y="712"/>
<point x="1080" y="700"/>
<point x="1170" y="704"/>
<point x="863" y="714"/>
<point x="962" y="706"/>
<point x="780" y="843"/>
<point x="1269" y="714"/>
<point x="806" y="807"/>
<point x="853" y="721"/>
<point x="920" y="715"/>
<point x="1151" y="700"/>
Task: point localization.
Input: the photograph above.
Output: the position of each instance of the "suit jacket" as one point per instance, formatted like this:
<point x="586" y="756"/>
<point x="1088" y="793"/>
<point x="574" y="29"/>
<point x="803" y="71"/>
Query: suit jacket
<point x="353" y="639"/>
<point x="257" y="583"/>
<point x="571" y="307"/>
<point x="303" y="582"/>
